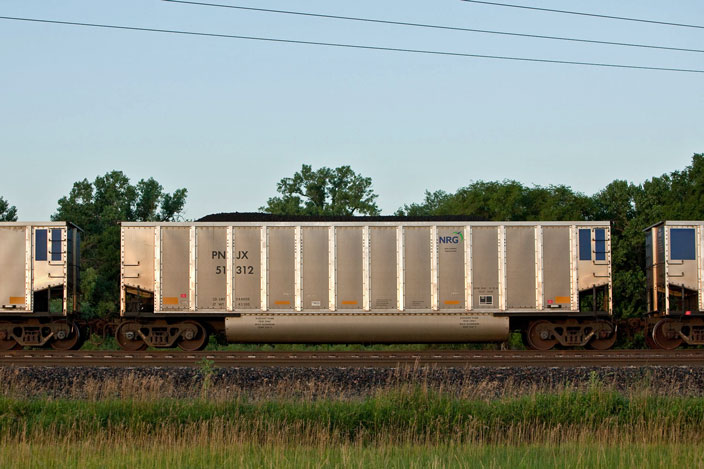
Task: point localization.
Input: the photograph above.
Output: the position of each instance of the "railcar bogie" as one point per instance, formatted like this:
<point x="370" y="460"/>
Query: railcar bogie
<point x="60" y="334"/>
<point x="187" y="334"/>
<point x="541" y="333"/>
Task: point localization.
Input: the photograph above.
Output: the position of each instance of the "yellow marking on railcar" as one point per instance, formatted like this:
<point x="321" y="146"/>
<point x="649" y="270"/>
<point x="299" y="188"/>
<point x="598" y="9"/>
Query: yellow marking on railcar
<point x="170" y="300"/>
<point x="17" y="300"/>
<point x="561" y="300"/>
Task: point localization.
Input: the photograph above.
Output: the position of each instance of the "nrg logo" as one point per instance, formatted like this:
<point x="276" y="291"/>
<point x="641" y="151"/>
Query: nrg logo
<point x="455" y="239"/>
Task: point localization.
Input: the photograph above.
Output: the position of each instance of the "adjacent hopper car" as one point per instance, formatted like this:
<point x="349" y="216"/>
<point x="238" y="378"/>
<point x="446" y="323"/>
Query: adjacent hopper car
<point x="363" y="281"/>
<point x="674" y="253"/>
<point x="39" y="269"/>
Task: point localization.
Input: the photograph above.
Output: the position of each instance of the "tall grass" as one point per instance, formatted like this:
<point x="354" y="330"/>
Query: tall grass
<point x="124" y="453"/>
<point x="129" y="423"/>
<point x="404" y="416"/>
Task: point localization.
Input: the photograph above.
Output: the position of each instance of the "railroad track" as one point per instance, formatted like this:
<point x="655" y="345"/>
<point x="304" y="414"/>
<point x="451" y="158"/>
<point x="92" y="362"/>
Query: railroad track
<point x="445" y="358"/>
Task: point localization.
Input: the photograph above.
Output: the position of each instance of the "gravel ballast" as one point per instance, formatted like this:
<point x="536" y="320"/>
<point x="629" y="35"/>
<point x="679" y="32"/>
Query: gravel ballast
<point x="315" y="383"/>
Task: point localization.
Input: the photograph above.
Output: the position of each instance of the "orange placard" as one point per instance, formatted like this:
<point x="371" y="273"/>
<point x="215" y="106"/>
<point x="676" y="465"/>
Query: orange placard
<point x="451" y="302"/>
<point x="170" y="300"/>
<point x="349" y="302"/>
<point x="284" y="302"/>
<point x="17" y="300"/>
<point x="562" y="300"/>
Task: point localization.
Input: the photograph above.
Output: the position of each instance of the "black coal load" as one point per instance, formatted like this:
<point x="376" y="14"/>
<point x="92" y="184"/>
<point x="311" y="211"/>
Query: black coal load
<point x="244" y="217"/>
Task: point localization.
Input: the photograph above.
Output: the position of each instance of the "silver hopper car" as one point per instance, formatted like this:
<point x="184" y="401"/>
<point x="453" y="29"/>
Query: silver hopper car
<point x="365" y="282"/>
<point x="39" y="266"/>
<point x="674" y="255"/>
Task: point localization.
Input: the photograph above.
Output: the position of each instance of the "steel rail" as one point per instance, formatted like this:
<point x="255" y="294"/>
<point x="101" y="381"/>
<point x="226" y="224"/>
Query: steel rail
<point x="445" y="358"/>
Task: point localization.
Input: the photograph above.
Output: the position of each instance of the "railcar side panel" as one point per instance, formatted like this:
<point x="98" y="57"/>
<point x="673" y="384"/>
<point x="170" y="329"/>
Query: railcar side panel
<point x="49" y="262"/>
<point x="314" y="268"/>
<point x="451" y="268"/>
<point x="138" y="258"/>
<point x="383" y="266"/>
<point x="683" y="258"/>
<point x="556" y="267"/>
<point x="417" y="278"/>
<point x="349" y="269"/>
<point x="175" y="255"/>
<point x="281" y="268"/>
<point x="211" y="268"/>
<point x="594" y="257"/>
<point x="520" y="267"/>
<point x="485" y="268"/>
<point x="247" y="268"/>
<point x="661" y="264"/>
<point x="13" y="252"/>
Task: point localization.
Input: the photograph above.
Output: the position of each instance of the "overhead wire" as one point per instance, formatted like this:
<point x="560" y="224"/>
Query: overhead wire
<point x="581" y="13"/>
<point x="432" y="26"/>
<point x="348" y="46"/>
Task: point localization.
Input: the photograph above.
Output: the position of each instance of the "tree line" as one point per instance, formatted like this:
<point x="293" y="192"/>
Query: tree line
<point x="98" y="206"/>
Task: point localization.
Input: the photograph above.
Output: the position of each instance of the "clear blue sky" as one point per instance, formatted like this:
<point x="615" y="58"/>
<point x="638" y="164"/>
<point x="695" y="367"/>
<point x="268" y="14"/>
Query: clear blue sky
<point x="228" y="118"/>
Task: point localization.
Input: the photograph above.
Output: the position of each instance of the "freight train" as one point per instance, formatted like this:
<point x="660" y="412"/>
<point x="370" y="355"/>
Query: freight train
<point x="361" y="280"/>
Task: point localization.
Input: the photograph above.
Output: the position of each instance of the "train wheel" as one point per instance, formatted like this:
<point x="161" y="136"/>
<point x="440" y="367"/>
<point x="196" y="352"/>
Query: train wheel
<point x="193" y="338"/>
<point x="540" y="335"/>
<point x="71" y="341"/>
<point x="665" y="336"/>
<point x="6" y="342"/>
<point x="603" y="343"/>
<point x="127" y="335"/>
<point x="648" y="336"/>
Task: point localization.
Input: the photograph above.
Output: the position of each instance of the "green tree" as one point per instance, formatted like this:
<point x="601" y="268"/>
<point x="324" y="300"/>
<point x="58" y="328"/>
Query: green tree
<point x="675" y="196"/>
<point x="7" y="212"/>
<point x="505" y="201"/>
<point x="97" y="207"/>
<point x="433" y="204"/>
<point x="326" y="191"/>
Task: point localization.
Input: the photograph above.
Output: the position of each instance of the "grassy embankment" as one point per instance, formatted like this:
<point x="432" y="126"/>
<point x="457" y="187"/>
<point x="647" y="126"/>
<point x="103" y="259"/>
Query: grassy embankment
<point x="398" y="427"/>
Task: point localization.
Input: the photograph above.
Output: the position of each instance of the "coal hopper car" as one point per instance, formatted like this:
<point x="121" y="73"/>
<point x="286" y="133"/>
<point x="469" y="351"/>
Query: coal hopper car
<point x="365" y="282"/>
<point x="674" y="255"/>
<point x="39" y="269"/>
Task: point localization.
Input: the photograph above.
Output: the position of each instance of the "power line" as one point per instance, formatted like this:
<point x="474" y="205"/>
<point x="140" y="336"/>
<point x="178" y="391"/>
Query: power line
<point x="433" y="26"/>
<point x="349" y="46"/>
<point x="594" y="15"/>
